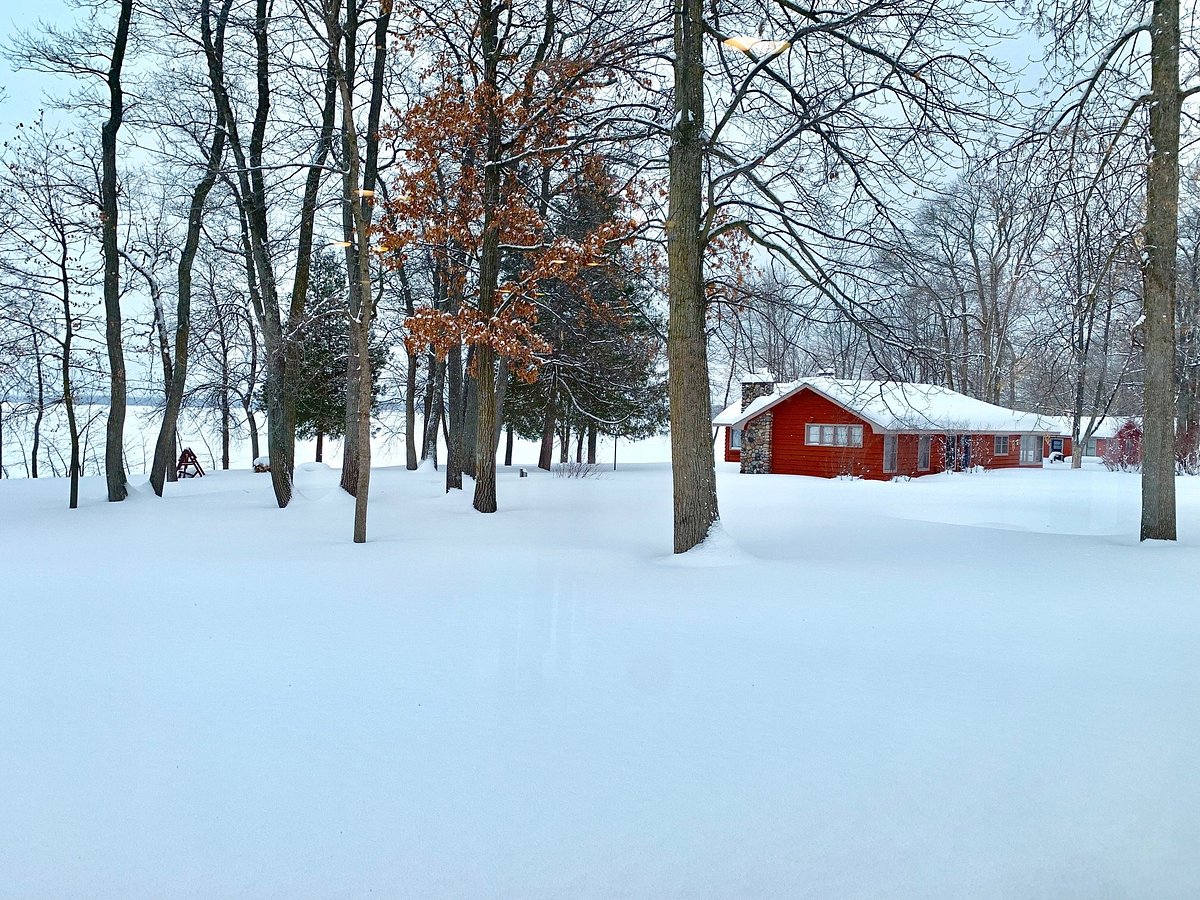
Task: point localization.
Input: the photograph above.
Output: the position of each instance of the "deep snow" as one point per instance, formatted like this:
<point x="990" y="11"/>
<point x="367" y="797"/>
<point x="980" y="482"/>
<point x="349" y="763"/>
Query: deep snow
<point x="959" y="686"/>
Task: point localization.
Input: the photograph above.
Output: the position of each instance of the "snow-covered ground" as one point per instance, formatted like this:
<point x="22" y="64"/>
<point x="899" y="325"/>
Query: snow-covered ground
<point x="960" y="686"/>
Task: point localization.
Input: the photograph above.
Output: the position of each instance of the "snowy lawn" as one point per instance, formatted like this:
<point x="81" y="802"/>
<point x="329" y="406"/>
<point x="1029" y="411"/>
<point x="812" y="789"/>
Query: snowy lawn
<point x="961" y="686"/>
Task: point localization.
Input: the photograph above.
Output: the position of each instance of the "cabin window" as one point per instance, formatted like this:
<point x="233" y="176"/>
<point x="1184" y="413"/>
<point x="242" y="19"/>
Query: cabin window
<point x="1031" y="449"/>
<point x="735" y="439"/>
<point x="924" y="443"/>
<point x="889" y="452"/>
<point x="833" y="435"/>
<point x="1000" y="447"/>
<point x="1090" y="449"/>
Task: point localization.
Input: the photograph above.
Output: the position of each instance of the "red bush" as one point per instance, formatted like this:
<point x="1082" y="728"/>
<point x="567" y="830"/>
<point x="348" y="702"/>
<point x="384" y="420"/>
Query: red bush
<point x="1124" y="450"/>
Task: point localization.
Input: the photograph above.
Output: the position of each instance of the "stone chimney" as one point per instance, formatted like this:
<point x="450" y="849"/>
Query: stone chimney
<point x="756" y="436"/>
<point x="755" y="385"/>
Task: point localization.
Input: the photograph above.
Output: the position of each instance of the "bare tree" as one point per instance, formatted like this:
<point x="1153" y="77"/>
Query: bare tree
<point x="1131" y="53"/>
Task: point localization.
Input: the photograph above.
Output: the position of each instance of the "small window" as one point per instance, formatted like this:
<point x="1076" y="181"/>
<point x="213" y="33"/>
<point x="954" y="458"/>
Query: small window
<point x="889" y="452"/>
<point x="1001" y="445"/>
<point x="1031" y="449"/>
<point x="833" y="435"/>
<point x="735" y="439"/>
<point x="924" y="444"/>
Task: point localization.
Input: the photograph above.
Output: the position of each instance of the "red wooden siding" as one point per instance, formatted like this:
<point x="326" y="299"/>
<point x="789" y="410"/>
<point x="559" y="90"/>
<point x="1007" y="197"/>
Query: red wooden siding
<point x="790" y="455"/>
<point x="731" y="455"/>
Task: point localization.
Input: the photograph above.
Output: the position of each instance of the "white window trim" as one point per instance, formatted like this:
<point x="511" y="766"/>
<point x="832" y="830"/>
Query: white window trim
<point x="854" y="435"/>
<point x="996" y="439"/>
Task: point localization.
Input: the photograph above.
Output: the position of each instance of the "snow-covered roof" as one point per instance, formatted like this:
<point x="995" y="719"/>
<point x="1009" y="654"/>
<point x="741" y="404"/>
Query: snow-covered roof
<point x="729" y="414"/>
<point x="1106" y="427"/>
<point x="902" y="406"/>
<point x="762" y="376"/>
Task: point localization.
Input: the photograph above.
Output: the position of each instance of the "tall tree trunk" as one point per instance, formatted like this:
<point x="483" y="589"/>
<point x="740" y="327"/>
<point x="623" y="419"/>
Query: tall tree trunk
<point x="503" y="378"/>
<point x="693" y="468"/>
<point x="357" y="198"/>
<point x="252" y="424"/>
<point x="41" y="403"/>
<point x="320" y="445"/>
<point x="226" y="425"/>
<point x="410" y="399"/>
<point x="489" y="262"/>
<point x="549" y="426"/>
<point x="454" y="416"/>
<point x="114" y="446"/>
<point x="470" y="415"/>
<point x="508" y="445"/>
<point x="349" y="481"/>
<point x="435" y="400"/>
<point x="68" y="390"/>
<point x="591" y="439"/>
<point x="164" y="343"/>
<point x="162" y="468"/>
<point x="1159" y="275"/>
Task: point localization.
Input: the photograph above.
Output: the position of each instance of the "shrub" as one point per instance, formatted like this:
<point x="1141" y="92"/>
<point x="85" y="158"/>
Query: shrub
<point x="576" y="470"/>
<point x="1123" y="452"/>
<point x="1187" y="452"/>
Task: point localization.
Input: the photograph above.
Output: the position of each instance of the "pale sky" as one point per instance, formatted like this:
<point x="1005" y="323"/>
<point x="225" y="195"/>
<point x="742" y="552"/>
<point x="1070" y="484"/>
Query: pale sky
<point x="23" y="91"/>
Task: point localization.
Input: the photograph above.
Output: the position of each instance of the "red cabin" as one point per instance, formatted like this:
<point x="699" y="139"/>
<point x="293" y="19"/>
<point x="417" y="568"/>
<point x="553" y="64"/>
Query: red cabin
<point x="873" y="429"/>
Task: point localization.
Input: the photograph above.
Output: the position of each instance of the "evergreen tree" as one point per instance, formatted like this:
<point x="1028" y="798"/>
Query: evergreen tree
<point x="324" y="344"/>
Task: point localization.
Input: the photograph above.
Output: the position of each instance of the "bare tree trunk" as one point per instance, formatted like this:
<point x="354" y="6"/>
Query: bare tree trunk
<point x="410" y="397"/>
<point x="470" y="416"/>
<point x="435" y="394"/>
<point x="508" y="446"/>
<point x="164" y="343"/>
<point x="357" y="198"/>
<point x="693" y="468"/>
<point x="252" y="424"/>
<point x="41" y="402"/>
<point x="502" y="381"/>
<point x="162" y="468"/>
<point x="320" y="445"/>
<point x="454" y="416"/>
<point x="549" y="427"/>
<point x="489" y="264"/>
<point x="591" y="439"/>
<point x="226" y="418"/>
<point x="67" y="389"/>
<point x="114" y="446"/>
<point x="1160" y="276"/>
<point x="485" y="447"/>
<point x="349" y="481"/>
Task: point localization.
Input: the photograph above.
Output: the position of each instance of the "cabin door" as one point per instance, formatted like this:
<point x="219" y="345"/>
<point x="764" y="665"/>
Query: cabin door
<point x="958" y="452"/>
